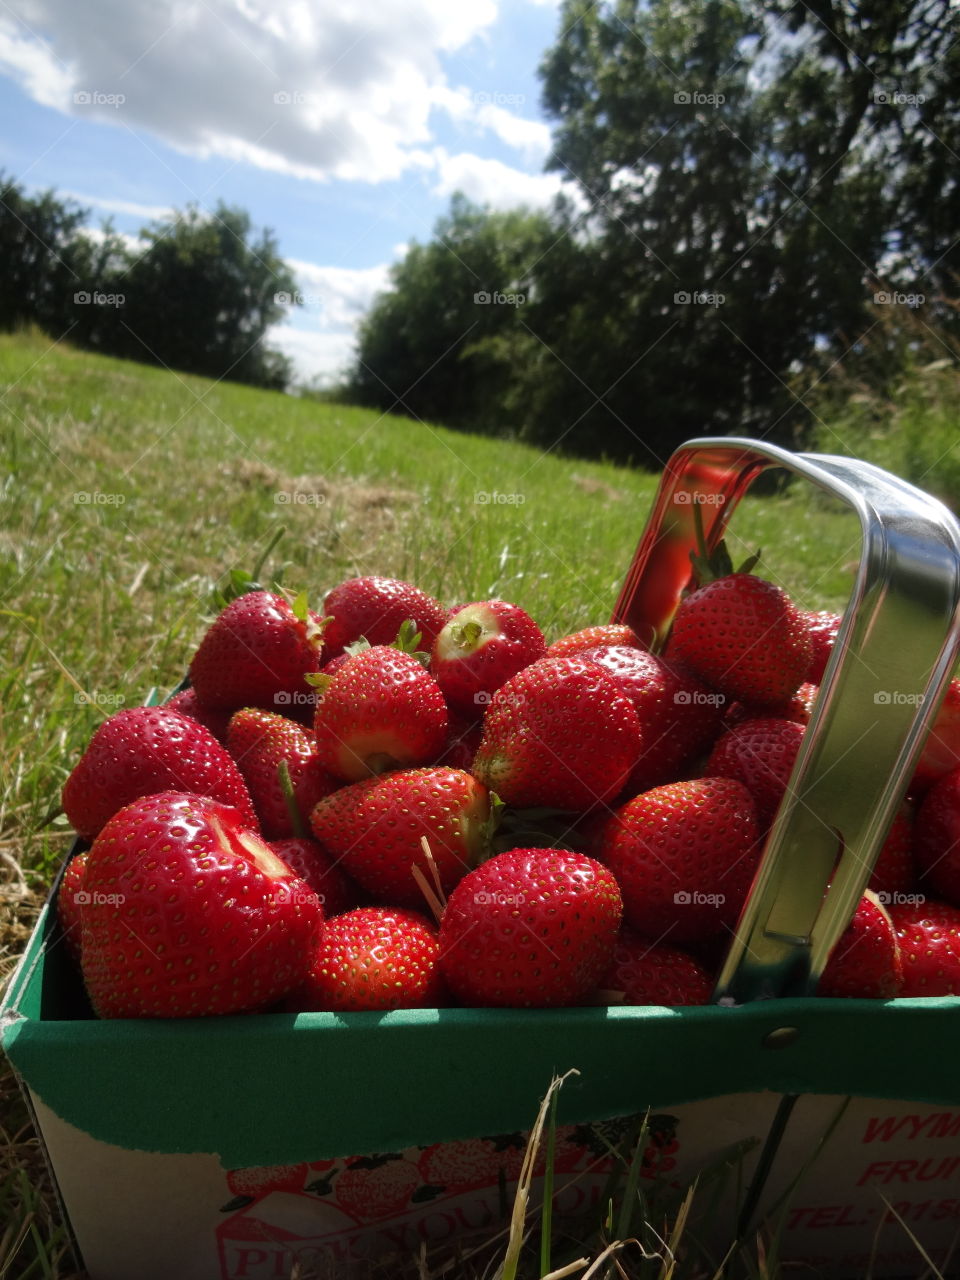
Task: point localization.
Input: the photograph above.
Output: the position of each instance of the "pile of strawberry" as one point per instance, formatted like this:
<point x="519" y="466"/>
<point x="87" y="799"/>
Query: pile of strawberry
<point x="392" y="804"/>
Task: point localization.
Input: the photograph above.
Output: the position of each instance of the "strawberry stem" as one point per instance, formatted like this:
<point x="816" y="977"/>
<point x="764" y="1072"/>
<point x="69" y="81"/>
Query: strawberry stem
<point x="290" y="800"/>
<point x="709" y="565"/>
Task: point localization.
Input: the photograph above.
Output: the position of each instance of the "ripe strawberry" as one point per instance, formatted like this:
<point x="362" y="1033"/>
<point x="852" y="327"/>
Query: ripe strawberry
<point x="380" y="711"/>
<point x="759" y="753"/>
<point x="141" y="751"/>
<point x="936" y="839"/>
<point x="823" y="628"/>
<point x="941" y="751"/>
<point x="866" y="961"/>
<point x="375" y="829"/>
<point x="256" y="653"/>
<point x="70" y="903"/>
<point x="799" y="708"/>
<point x="260" y="741"/>
<point x="190" y="914"/>
<point x="481" y="646"/>
<point x="473" y="1162"/>
<point x="373" y="1187"/>
<point x="373" y="958"/>
<point x="929" y="937"/>
<point x="188" y="704"/>
<point x="612" y="633"/>
<point x="259" y="1180"/>
<point x="745" y="637"/>
<point x="684" y="855"/>
<point x="894" y="873"/>
<point x="653" y="973"/>
<point x="532" y="927"/>
<point x="678" y="716"/>
<point x="335" y="891"/>
<point x="375" y="608"/>
<point x="560" y="734"/>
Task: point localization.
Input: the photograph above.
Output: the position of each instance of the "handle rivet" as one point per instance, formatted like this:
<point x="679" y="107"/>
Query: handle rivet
<point x="782" y="1038"/>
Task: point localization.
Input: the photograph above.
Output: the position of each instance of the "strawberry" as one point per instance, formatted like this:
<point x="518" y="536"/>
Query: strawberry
<point x="481" y="646"/>
<point x="560" y="734"/>
<point x="929" y="937"/>
<point x="941" y="751"/>
<point x="373" y="1187"/>
<point x="612" y="633"/>
<point x="141" y="751"/>
<point x="866" y="961"/>
<point x="70" y="903"/>
<point x="744" y="637"/>
<point x="531" y="927"/>
<point x="678" y="716"/>
<point x="684" y="855"/>
<point x="894" y="873"/>
<point x="335" y="891"/>
<point x="372" y="958"/>
<point x="759" y="753"/>
<point x="463" y="739"/>
<point x="260" y="1180"/>
<point x="375" y="609"/>
<point x="647" y="972"/>
<point x="190" y="914"/>
<point x="798" y="708"/>
<point x="188" y="704"/>
<point x="256" y="653"/>
<point x="823" y="628"/>
<point x="936" y="838"/>
<point x="380" y="711"/>
<point x="260" y="742"/>
<point x="375" y="829"/>
<point x="473" y="1162"/>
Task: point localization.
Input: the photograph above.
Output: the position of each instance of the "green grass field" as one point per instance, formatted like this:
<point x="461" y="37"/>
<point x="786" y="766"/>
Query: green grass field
<point x="127" y="491"/>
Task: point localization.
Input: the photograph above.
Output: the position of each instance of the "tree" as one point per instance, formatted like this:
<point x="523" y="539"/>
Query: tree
<point x="38" y="266"/>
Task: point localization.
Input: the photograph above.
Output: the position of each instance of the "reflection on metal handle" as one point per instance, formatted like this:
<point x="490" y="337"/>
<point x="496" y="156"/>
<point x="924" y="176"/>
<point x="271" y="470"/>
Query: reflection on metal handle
<point x="894" y="655"/>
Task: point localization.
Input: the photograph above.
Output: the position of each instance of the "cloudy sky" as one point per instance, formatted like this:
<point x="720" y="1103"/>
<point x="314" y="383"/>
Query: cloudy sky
<point x="345" y="127"/>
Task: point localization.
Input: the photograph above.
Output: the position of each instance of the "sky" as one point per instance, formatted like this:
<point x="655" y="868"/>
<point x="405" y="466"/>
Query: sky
<point x="343" y="127"/>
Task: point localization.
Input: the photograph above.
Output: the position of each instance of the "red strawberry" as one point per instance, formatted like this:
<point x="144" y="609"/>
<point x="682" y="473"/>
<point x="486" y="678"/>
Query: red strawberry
<point x="745" y="637"/>
<point x="311" y="863"/>
<point x="473" y="1162"/>
<point x="256" y="654"/>
<point x="380" y="711"/>
<point x="373" y="958"/>
<point x="260" y="741"/>
<point x="481" y="646"/>
<point x="259" y="1180"/>
<point x="653" y="973"/>
<point x="823" y="628"/>
<point x="375" y="609"/>
<point x="929" y="936"/>
<point x="799" y="708"/>
<point x="613" y="633"/>
<point x="532" y="927"/>
<point x="190" y="914"/>
<point x="866" y="962"/>
<point x="141" y="751"/>
<point x="759" y="753"/>
<point x="936" y="839"/>
<point x="894" y="873"/>
<point x="188" y="704"/>
<point x="678" y="716"/>
<point x="70" y="903"/>
<point x="375" y="829"/>
<point x="684" y="855"/>
<point x="463" y="739"/>
<point x="560" y="734"/>
<point x="941" y="751"/>
<point x="373" y="1187"/>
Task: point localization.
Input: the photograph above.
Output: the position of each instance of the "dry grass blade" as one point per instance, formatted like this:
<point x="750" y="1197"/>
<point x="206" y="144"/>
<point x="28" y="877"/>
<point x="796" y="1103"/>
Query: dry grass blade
<point x="934" y="1271"/>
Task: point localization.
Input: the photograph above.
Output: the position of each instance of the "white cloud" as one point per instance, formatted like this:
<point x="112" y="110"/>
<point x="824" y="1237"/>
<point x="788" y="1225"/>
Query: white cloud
<point x="317" y="357"/>
<point x="121" y="206"/>
<point x="492" y="182"/>
<point x="490" y="110"/>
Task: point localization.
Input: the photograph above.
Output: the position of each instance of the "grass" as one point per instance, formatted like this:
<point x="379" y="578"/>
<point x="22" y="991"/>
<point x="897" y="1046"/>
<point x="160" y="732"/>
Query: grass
<point x="127" y="491"/>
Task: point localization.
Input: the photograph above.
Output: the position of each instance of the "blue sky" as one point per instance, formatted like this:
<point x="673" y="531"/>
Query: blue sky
<point x="344" y="127"/>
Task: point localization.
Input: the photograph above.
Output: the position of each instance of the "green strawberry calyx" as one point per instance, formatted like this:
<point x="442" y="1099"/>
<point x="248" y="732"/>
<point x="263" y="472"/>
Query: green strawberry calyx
<point x="709" y="564"/>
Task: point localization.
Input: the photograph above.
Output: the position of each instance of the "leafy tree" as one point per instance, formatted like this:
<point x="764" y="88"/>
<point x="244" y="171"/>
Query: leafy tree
<point x="38" y="259"/>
